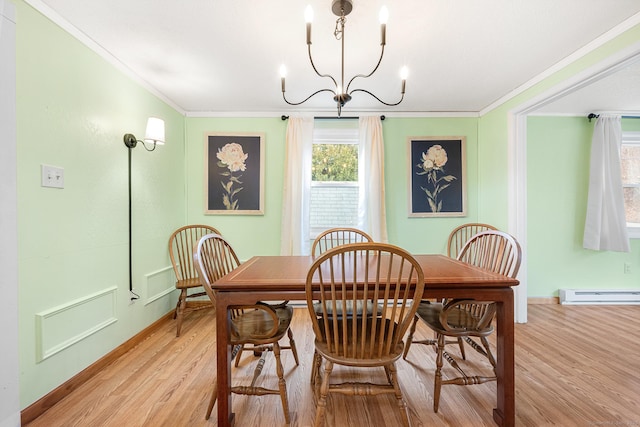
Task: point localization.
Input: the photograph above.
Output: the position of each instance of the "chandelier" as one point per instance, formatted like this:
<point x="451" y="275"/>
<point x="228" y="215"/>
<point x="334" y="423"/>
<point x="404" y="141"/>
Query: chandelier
<point x="341" y="93"/>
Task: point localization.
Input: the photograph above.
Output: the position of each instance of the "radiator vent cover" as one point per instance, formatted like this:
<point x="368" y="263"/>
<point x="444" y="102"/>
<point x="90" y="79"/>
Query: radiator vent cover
<point x="600" y="296"/>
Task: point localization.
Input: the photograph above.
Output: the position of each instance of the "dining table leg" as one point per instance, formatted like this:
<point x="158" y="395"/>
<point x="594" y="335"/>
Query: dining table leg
<point x="223" y="361"/>
<point x="504" y="415"/>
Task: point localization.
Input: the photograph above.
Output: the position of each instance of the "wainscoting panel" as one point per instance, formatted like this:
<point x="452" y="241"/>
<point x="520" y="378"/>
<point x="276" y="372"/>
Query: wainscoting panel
<point x="59" y="328"/>
<point x="159" y="283"/>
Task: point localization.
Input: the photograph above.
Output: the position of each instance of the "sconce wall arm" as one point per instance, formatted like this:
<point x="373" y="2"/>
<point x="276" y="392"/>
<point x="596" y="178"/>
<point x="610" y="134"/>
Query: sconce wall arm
<point x="131" y="142"/>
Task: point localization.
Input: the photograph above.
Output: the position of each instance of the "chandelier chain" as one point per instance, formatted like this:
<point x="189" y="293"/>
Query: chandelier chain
<point x="339" y="31"/>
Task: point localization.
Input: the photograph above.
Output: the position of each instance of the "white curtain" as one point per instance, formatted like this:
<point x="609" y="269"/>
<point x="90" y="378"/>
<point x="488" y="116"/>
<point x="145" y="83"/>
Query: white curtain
<point x="297" y="186"/>
<point x="372" y="215"/>
<point x="606" y="228"/>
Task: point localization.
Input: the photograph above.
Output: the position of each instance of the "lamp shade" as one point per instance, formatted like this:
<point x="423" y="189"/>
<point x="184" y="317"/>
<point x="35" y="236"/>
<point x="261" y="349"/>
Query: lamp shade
<point x="155" y="131"/>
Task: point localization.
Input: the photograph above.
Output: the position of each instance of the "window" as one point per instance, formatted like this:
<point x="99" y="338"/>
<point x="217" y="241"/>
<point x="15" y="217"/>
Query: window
<point x="334" y="175"/>
<point x="630" y="167"/>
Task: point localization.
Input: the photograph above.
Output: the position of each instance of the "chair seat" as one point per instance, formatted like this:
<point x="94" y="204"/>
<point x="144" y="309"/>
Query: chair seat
<point x="189" y="283"/>
<point x="460" y="322"/>
<point x="317" y="307"/>
<point x="356" y="353"/>
<point x="251" y="326"/>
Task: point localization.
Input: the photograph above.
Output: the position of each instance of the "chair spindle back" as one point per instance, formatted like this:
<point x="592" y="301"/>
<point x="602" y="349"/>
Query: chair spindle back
<point x="460" y="235"/>
<point x="335" y="237"/>
<point x="181" y="245"/>
<point x="358" y="274"/>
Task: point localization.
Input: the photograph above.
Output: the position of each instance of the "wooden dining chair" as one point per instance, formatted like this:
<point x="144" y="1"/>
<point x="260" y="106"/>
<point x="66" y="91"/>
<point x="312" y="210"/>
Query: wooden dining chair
<point x="457" y="238"/>
<point x="464" y="318"/>
<point x="329" y="239"/>
<point x="181" y="244"/>
<point x="334" y="237"/>
<point x="360" y="273"/>
<point x="260" y="325"/>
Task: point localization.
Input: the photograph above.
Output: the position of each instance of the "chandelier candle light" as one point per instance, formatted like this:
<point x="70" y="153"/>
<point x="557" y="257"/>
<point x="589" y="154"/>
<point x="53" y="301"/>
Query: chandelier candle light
<point x="342" y="8"/>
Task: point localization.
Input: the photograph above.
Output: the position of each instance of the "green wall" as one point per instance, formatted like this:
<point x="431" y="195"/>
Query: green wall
<point x="73" y="109"/>
<point x="260" y="235"/>
<point x="424" y="235"/>
<point x="249" y="234"/>
<point x="492" y="171"/>
<point x="560" y="254"/>
<point x="558" y="156"/>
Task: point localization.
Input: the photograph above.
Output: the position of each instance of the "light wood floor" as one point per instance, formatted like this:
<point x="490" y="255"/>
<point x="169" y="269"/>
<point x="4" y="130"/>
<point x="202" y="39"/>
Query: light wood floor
<point x="575" y="366"/>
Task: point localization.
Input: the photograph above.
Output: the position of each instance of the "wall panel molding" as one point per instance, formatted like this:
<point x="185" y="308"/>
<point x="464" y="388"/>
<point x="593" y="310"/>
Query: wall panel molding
<point x="159" y="284"/>
<point x="61" y="327"/>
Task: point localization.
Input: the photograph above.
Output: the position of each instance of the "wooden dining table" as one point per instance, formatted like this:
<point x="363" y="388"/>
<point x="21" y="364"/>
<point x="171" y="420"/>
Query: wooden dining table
<point x="269" y="278"/>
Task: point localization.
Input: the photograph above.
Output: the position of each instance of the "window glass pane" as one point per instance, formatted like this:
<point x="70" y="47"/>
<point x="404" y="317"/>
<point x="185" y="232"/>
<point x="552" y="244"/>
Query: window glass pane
<point x="334" y="175"/>
<point x="333" y="205"/>
<point x="630" y="163"/>
<point x="630" y="170"/>
<point x="334" y="162"/>
<point x="632" y="204"/>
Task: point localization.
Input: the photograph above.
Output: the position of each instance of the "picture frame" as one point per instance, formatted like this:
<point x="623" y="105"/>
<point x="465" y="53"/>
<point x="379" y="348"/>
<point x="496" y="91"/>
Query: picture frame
<point x="437" y="176"/>
<point x="234" y="174"/>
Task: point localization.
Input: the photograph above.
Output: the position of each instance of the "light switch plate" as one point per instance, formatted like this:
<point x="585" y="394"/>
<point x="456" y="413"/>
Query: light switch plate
<point x="52" y="176"/>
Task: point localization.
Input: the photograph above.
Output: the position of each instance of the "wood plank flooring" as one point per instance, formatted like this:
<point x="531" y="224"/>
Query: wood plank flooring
<point x="575" y="366"/>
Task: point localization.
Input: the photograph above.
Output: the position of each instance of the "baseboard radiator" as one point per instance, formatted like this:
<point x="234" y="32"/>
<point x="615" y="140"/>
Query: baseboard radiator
<point x="600" y="296"/>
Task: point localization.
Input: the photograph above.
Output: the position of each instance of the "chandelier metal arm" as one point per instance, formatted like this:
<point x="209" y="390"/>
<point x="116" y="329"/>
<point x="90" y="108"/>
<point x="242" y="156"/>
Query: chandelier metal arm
<point x="307" y="98"/>
<point x="380" y="100"/>
<point x="313" y="65"/>
<point x="364" y="76"/>
<point x="342" y="94"/>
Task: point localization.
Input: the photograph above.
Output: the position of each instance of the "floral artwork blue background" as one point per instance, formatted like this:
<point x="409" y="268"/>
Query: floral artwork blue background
<point x="248" y="199"/>
<point x="452" y="197"/>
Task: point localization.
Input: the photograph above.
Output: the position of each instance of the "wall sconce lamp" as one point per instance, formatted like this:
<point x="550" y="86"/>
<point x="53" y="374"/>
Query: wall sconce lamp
<point x="153" y="135"/>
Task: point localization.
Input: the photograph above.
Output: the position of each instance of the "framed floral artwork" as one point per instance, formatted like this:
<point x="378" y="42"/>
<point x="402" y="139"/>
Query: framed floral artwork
<point x="234" y="174"/>
<point x="437" y="182"/>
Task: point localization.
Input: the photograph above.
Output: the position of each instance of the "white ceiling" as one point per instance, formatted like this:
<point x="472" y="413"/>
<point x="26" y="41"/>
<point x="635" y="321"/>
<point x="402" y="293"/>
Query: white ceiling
<point x="212" y="56"/>
<point x="618" y="91"/>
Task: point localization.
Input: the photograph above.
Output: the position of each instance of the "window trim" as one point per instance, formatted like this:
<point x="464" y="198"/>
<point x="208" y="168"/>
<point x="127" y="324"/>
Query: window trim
<point x="631" y="138"/>
<point x="334" y="136"/>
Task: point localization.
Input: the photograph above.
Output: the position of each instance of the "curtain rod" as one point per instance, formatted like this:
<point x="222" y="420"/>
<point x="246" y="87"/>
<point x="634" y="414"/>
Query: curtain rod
<point x="595" y="116"/>
<point x="283" y="117"/>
